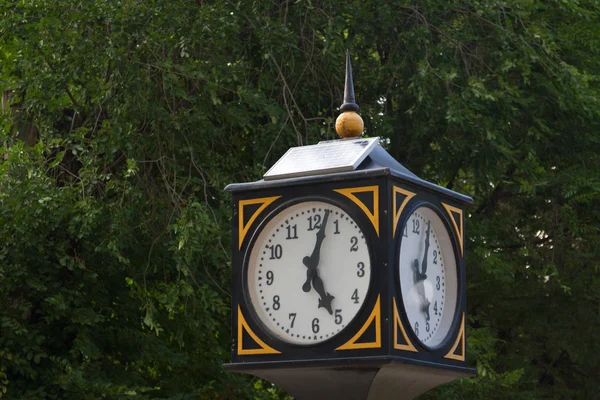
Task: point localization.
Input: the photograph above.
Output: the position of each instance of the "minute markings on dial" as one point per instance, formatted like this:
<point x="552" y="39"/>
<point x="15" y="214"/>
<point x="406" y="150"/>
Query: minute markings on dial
<point x="332" y="265"/>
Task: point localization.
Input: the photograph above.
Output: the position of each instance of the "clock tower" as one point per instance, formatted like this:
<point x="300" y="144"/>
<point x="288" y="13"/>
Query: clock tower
<point x="348" y="272"/>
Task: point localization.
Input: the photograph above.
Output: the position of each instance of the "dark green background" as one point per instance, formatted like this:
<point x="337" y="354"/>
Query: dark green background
<point x="122" y="122"/>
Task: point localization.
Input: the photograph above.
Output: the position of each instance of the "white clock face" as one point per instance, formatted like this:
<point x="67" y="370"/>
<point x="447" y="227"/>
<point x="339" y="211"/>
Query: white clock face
<point x="309" y="272"/>
<point x="428" y="276"/>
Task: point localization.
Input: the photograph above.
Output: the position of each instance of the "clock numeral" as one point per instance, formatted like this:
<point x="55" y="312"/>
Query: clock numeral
<point x="435" y="309"/>
<point x="361" y="269"/>
<point x="416" y="226"/>
<point x="314" y="222"/>
<point x="292" y="316"/>
<point x="427" y="326"/>
<point x="276" y="304"/>
<point x="405" y="234"/>
<point x="270" y="277"/>
<point x="315" y="325"/>
<point x="354" y="243"/>
<point x="355" y="296"/>
<point x="292" y="232"/>
<point x="337" y="227"/>
<point x="417" y="328"/>
<point x="338" y="317"/>
<point x="435" y="255"/>
<point x="276" y="252"/>
<point x="437" y="285"/>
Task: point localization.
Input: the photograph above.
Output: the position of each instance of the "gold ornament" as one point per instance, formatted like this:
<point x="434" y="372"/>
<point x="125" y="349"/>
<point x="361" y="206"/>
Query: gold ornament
<point x="349" y="124"/>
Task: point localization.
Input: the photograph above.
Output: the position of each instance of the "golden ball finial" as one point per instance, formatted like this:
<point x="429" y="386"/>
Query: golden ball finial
<point x="349" y="123"/>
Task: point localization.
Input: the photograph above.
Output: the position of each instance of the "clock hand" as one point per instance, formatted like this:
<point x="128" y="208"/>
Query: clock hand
<point x="424" y="263"/>
<point x="418" y="280"/>
<point x="312" y="261"/>
<point x="415" y="268"/>
<point x="325" y="298"/>
<point x="425" y="308"/>
<point x="310" y="272"/>
<point x="426" y="303"/>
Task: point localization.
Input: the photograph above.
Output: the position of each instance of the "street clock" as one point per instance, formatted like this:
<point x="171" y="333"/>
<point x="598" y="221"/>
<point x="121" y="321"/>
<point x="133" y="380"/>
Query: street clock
<point x="348" y="273"/>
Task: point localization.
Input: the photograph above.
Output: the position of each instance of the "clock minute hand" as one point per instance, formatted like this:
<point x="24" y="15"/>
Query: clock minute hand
<point x="312" y="261"/>
<point x="312" y="274"/>
<point x="316" y="254"/>
<point x="325" y="298"/>
<point x="423" y="274"/>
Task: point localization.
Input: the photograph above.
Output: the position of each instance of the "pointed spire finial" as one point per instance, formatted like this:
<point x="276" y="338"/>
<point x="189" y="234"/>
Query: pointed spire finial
<point x="349" y="101"/>
<point x="349" y="123"/>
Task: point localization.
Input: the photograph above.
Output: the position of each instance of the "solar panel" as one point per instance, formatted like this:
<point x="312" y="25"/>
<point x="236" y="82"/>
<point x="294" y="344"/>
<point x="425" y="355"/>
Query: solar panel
<point x="323" y="158"/>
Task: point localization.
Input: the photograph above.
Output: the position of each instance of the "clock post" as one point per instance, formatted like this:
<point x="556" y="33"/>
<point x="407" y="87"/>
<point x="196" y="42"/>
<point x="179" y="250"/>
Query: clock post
<point x="348" y="272"/>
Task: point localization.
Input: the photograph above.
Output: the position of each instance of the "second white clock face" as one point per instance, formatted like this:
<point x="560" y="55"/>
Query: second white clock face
<point x="428" y="278"/>
<point x="309" y="272"/>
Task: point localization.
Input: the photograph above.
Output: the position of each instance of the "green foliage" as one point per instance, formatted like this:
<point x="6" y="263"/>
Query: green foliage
<point x="123" y="121"/>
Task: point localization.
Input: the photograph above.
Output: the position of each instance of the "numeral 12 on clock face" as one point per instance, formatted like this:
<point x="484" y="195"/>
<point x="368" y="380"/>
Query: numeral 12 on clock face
<point x="308" y="272"/>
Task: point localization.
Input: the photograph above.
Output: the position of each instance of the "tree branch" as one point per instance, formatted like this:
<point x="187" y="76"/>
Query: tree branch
<point x="66" y="87"/>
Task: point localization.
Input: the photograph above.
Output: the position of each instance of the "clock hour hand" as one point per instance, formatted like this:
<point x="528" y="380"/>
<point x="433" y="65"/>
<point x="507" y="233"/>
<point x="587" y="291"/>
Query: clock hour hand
<point x="418" y="280"/>
<point x="425" y="308"/>
<point x="425" y="303"/>
<point x="325" y="298"/>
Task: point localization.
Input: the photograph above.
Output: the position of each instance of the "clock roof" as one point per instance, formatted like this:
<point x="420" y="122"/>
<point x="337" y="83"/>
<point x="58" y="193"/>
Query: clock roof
<point x="337" y="160"/>
<point x="378" y="163"/>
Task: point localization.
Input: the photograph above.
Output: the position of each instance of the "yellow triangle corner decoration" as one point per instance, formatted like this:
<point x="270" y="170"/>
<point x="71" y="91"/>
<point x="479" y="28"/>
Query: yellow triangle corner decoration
<point x="372" y="215"/>
<point x="375" y="318"/>
<point x="243" y="228"/>
<point x="243" y="325"/>
<point x="457" y="227"/>
<point x="407" y="346"/>
<point x="398" y="210"/>
<point x="460" y="340"/>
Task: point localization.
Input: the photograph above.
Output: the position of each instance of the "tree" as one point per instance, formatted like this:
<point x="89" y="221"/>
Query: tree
<point x="123" y="122"/>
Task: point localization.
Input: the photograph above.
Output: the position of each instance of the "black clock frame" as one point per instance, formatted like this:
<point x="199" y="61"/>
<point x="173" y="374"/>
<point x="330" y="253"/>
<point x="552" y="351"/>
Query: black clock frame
<point x="354" y="214"/>
<point x="292" y="195"/>
<point x="375" y="340"/>
<point x="414" y="204"/>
